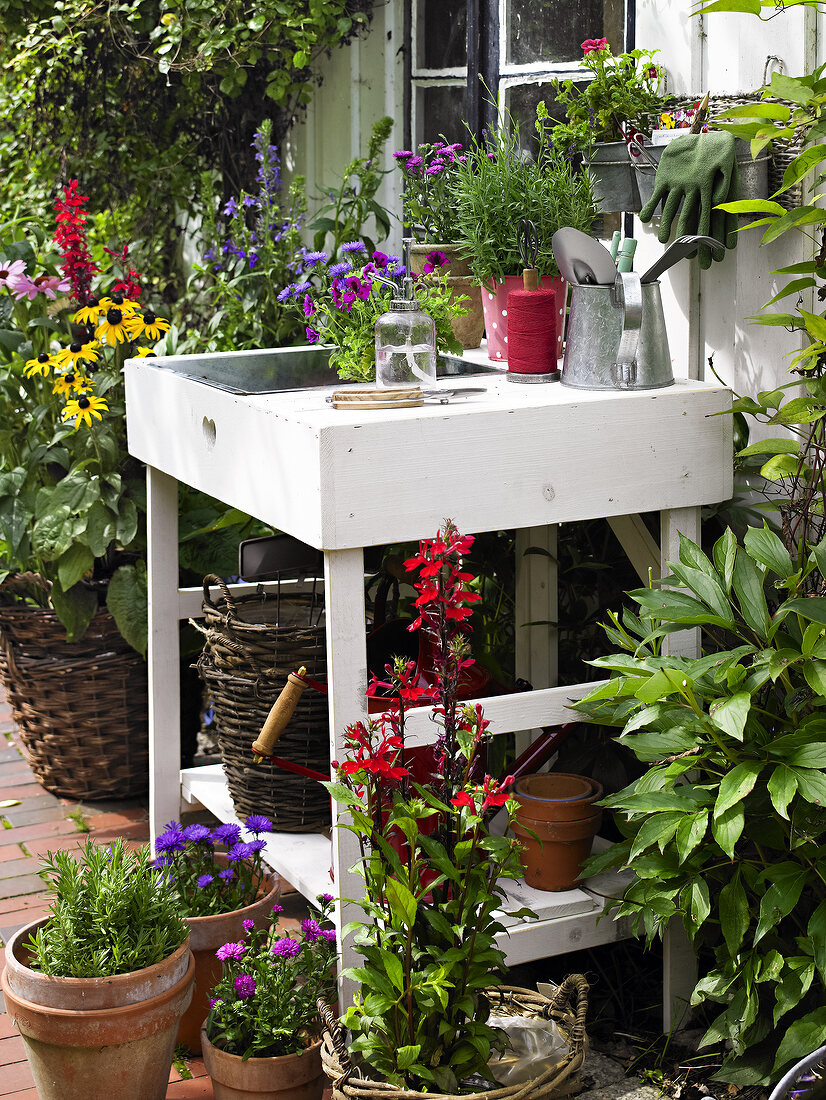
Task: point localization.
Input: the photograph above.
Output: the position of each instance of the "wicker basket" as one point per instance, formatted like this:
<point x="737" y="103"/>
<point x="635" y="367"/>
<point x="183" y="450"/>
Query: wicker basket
<point x="251" y="645"/>
<point x="568" y="1008"/>
<point x="82" y="707"/>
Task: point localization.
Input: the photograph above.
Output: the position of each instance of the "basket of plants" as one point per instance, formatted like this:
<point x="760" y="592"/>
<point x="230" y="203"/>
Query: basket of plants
<point x="81" y="707"/>
<point x="251" y="645"/>
<point x="529" y="1076"/>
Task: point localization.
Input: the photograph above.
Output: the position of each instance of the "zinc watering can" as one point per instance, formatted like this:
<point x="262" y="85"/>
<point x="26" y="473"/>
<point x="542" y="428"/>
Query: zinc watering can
<point x="616" y="335"/>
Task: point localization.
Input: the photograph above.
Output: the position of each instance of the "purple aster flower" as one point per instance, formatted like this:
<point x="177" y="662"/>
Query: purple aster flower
<point x="312" y="335"/>
<point x="278" y="909"/>
<point x="329" y="934"/>
<point x="172" y="841"/>
<point x="301" y="288"/>
<point x="239" y="852"/>
<point x="231" y="207"/>
<point x="204" y="880"/>
<point x="313" y="258"/>
<point x="257" y="823"/>
<point x="286" y="947"/>
<point x="244" y="986"/>
<point x="248" y="925"/>
<point x="231" y="951"/>
<point x="287" y="292"/>
<point x="227" y="875"/>
<point x="325" y="897"/>
<point x="403" y="154"/>
<point x="414" y="163"/>
<point x="353" y="247"/>
<point x="434" y="170"/>
<point x="257" y="845"/>
<point x="228" y="833"/>
<point x="339" y="269"/>
<point x="197" y="833"/>
<point x="311" y="930"/>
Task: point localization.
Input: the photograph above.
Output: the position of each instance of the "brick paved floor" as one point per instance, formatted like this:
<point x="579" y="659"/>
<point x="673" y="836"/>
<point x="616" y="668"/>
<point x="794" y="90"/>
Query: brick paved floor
<point x="39" y="823"/>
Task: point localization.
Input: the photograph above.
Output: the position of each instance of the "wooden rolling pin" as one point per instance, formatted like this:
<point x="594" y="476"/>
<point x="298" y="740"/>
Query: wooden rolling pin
<point x="280" y="714"/>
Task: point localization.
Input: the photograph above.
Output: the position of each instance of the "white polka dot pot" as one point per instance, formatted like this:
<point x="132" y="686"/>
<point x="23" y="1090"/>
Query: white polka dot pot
<point x="495" y="308"/>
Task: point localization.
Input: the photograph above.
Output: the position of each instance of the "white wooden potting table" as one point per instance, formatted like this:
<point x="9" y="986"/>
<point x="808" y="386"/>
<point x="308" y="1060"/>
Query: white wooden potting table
<point x="527" y="457"/>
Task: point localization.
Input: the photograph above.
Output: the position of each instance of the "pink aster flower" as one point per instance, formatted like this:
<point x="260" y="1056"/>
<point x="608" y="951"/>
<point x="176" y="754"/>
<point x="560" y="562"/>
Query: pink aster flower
<point x="286" y="947"/>
<point x="230" y="951"/>
<point x="244" y="986"/>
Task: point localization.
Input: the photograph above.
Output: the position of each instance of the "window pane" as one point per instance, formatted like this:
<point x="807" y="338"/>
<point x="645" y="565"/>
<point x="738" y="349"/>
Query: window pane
<point x="439" y="112"/>
<point x="521" y="101"/>
<point x="442" y="34"/>
<point x="551" y="30"/>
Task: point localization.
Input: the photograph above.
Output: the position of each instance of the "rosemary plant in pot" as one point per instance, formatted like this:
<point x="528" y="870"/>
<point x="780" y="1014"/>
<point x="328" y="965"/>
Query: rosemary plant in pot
<point x="96" y="989"/>
<point x="431" y="866"/>
<point x="494" y="188"/>
<point x="261" y="1038"/>
<point x="222" y="885"/>
<point x="428" y="212"/>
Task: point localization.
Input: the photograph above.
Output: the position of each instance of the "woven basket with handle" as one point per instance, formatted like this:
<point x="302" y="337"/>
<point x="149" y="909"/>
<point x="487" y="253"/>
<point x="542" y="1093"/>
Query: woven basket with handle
<point x="81" y="707"/>
<point x="568" y="1008"/>
<point x="251" y="644"/>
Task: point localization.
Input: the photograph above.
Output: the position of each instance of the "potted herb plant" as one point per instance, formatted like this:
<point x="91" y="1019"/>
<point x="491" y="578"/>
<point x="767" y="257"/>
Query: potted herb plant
<point x="623" y="97"/>
<point x="262" y="1036"/>
<point x="222" y="887"/>
<point x="494" y="188"/>
<point x="341" y="302"/>
<point x="96" y="989"/>
<point x="724" y="828"/>
<point x="428" y="212"/>
<point x="431" y="866"/>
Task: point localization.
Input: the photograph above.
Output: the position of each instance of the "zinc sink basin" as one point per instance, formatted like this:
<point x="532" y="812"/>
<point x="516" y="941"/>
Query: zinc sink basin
<point x="274" y="370"/>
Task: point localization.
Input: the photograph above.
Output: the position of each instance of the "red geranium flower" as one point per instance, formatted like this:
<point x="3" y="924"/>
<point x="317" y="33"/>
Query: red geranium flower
<point x="592" y="44"/>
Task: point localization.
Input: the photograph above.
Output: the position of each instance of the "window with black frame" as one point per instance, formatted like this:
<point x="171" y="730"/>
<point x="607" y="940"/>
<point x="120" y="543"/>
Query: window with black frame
<point x="516" y="47"/>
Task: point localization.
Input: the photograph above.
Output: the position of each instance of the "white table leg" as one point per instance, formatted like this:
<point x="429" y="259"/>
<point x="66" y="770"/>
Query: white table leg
<point x="536" y="601"/>
<point x="163" y="655"/>
<point x="346" y="685"/>
<point x="679" y="959"/>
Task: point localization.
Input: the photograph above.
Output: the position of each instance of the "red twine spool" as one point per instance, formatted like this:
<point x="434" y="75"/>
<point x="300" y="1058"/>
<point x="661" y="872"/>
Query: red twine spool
<point x="532" y="331"/>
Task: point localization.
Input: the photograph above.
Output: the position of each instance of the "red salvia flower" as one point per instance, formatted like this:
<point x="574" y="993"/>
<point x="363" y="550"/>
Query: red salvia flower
<point x="71" y="239"/>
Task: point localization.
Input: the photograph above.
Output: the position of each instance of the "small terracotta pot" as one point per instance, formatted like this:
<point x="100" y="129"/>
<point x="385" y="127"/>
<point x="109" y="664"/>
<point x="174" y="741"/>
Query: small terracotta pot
<point x="556" y="796"/>
<point x="553" y="857"/>
<point x="495" y="305"/>
<point x="207" y="934"/>
<point x="469" y="329"/>
<point x="120" y="1048"/>
<point x="291" y="1077"/>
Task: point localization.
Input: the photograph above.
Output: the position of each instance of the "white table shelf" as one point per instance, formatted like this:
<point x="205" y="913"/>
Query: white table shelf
<point x="524" y="457"/>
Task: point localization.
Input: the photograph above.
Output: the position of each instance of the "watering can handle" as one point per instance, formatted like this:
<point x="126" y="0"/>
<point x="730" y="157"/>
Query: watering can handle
<point x="626" y="294"/>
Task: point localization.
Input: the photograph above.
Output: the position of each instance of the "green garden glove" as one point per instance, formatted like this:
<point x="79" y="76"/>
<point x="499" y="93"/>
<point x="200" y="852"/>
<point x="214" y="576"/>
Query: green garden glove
<point x="700" y="170"/>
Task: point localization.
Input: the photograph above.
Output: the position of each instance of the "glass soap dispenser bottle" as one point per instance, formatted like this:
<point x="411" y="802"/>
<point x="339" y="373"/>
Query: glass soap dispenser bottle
<point x="405" y="340"/>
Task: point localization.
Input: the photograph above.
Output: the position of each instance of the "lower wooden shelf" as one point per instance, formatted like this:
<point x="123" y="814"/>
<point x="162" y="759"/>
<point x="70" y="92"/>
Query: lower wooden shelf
<point x="566" y="921"/>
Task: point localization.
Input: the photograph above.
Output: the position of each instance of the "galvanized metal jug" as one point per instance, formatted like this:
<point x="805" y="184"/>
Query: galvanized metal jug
<point x="616" y="337"/>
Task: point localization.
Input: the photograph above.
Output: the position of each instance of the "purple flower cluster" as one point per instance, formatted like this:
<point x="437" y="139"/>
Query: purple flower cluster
<point x="311" y="930"/>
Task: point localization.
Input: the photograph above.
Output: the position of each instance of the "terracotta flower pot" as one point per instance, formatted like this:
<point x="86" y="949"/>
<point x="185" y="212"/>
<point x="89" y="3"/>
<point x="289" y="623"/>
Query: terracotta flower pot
<point x="556" y="796"/>
<point x="495" y="305"/>
<point x="207" y="934"/>
<point x="553" y="857"/>
<point x="290" y="1077"/>
<point x="469" y="329"/>
<point x="98" y="1038"/>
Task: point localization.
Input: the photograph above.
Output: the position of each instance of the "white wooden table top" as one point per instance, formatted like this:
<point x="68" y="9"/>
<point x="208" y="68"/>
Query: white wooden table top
<point x="510" y="456"/>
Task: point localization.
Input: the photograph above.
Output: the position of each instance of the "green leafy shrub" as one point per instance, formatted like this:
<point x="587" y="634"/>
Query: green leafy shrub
<point x="110" y="912"/>
<point x="724" y="830"/>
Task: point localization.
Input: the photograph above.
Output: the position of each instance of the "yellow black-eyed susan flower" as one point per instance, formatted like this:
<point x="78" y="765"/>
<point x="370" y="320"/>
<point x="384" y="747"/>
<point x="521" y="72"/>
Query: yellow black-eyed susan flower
<point x="113" y="327"/>
<point x="76" y="352"/>
<point x="142" y="353"/>
<point x="71" y="382"/>
<point x="117" y="301"/>
<point x="89" y="314"/>
<point x="149" y="325"/>
<point x="41" y="364"/>
<point x="83" y="408"/>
